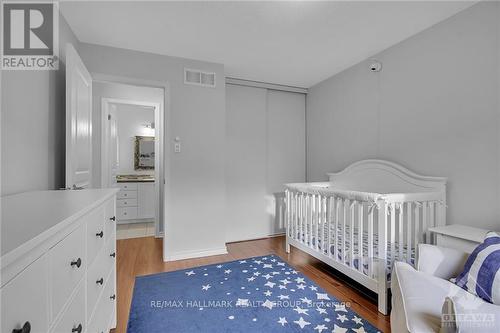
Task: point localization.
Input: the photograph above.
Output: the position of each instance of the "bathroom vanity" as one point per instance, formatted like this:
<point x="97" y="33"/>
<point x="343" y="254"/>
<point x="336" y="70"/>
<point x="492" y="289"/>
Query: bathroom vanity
<point x="136" y="198"/>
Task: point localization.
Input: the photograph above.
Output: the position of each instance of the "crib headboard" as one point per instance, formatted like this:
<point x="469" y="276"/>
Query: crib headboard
<point x="385" y="177"/>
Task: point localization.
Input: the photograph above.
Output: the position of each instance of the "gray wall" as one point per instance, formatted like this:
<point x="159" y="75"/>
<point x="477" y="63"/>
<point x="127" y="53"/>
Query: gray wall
<point x="265" y="148"/>
<point x="433" y="108"/>
<point x="33" y="125"/>
<point x="195" y="183"/>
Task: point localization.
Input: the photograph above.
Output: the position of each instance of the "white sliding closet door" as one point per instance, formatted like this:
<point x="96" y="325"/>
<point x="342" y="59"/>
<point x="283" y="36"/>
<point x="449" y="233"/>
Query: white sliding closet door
<point x="265" y="135"/>
<point x="246" y="163"/>
<point x="286" y="148"/>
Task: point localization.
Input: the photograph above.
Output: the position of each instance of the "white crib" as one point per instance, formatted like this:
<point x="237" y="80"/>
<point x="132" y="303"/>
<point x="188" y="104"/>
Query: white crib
<point x="367" y="216"/>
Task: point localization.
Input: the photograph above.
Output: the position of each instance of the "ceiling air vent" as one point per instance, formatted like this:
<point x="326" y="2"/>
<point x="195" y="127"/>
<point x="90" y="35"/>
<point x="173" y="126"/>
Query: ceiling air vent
<point x="199" y="78"/>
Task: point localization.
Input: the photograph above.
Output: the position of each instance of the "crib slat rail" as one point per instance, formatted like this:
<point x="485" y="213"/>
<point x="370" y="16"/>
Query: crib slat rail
<point x="392" y="231"/>
<point x="336" y="229"/>
<point x="383" y="224"/>
<point x="360" y="237"/>
<point x="345" y="205"/>
<point x="343" y="229"/>
<point x="329" y="218"/>
<point x="370" y="240"/>
<point x="409" y="215"/>
<point x="425" y="220"/>
<point x="324" y="221"/>
<point x="401" y="244"/>
<point x="352" y="205"/>
<point x="309" y="219"/>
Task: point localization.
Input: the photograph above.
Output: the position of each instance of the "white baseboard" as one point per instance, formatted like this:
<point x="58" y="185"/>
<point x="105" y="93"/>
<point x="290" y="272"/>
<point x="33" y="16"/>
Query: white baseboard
<point x="133" y="221"/>
<point x="257" y="237"/>
<point x="196" y="254"/>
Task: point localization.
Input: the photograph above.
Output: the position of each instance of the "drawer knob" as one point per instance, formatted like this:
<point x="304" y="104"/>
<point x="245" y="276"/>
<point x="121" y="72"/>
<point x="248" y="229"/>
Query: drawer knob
<point x="113" y="254"/>
<point x="25" y="329"/>
<point x="77" y="329"/>
<point x="100" y="281"/>
<point x="112" y="297"/>
<point x="76" y="263"/>
<point x="100" y="234"/>
<point x="112" y="218"/>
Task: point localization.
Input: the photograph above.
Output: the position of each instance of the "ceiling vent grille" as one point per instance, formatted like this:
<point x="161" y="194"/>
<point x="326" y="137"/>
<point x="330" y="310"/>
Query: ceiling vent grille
<point x="199" y="78"/>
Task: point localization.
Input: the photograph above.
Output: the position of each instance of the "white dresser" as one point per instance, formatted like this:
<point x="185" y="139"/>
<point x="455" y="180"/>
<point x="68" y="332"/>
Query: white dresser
<point x="58" y="267"/>
<point x="460" y="237"/>
<point x="136" y="201"/>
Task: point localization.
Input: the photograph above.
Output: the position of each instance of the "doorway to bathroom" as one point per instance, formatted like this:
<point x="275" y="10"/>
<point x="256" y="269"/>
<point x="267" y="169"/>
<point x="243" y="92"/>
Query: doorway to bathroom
<point x="132" y="154"/>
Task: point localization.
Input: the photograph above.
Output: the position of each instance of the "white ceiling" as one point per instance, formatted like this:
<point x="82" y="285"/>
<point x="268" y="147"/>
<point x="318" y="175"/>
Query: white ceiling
<point x="298" y="43"/>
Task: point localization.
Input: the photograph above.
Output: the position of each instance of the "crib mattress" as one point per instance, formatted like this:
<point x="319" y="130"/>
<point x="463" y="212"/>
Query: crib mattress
<point x="370" y="264"/>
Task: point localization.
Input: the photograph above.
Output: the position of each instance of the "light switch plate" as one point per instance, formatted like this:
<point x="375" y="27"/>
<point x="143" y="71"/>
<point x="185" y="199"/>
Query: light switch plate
<point x="177" y="147"/>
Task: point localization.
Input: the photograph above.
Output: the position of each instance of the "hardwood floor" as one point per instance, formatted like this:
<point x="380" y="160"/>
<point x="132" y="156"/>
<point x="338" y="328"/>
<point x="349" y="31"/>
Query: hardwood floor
<point x="142" y="256"/>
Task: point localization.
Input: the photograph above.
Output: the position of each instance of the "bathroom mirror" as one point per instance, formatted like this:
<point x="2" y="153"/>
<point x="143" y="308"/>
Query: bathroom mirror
<point x="144" y="154"/>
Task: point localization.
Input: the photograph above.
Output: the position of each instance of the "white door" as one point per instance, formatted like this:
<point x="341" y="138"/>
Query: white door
<point x="78" y="121"/>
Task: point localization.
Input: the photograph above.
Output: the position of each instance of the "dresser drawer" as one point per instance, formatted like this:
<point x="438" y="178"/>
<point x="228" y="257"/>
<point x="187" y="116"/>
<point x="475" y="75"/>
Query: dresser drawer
<point x="110" y="221"/>
<point x="126" y="203"/>
<point x="67" y="264"/>
<point x="74" y="314"/>
<point x="110" y="210"/>
<point x="127" y="194"/>
<point x="105" y="307"/>
<point x="126" y="213"/>
<point x="111" y="252"/>
<point x="25" y="299"/>
<point x="110" y="297"/>
<point x="99" y="271"/>
<point x="95" y="233"/>
<point x="128" y="186"/>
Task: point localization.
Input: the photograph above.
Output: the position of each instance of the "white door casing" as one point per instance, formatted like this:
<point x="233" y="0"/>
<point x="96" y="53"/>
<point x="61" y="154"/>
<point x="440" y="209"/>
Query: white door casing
<point x="109" y="153"/>
<point x="78" y="121"/>
<point x="113" y="146"/>
<point x="106" y="153"/>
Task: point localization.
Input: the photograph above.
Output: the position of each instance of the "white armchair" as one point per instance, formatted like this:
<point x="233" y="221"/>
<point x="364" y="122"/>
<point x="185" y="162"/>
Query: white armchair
<point x="440" y="262"/>
<point x="424" y="300"/>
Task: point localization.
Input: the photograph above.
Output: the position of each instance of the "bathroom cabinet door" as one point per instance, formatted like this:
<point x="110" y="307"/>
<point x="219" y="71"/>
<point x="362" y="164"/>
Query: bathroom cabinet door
<point x="146" y="200"/>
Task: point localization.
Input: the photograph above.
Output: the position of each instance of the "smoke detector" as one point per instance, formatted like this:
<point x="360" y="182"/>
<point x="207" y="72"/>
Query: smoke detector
<point x="375" y="65"/>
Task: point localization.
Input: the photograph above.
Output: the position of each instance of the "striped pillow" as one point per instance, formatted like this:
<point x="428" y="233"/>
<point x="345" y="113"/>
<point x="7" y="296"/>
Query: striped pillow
<point x="481" y="275"/>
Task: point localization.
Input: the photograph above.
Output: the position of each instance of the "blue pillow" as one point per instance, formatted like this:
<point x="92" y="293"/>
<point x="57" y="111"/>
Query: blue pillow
<point x="481" y="275"/>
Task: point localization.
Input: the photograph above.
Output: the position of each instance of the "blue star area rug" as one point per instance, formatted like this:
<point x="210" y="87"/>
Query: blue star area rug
<point x="261" y="294"/>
